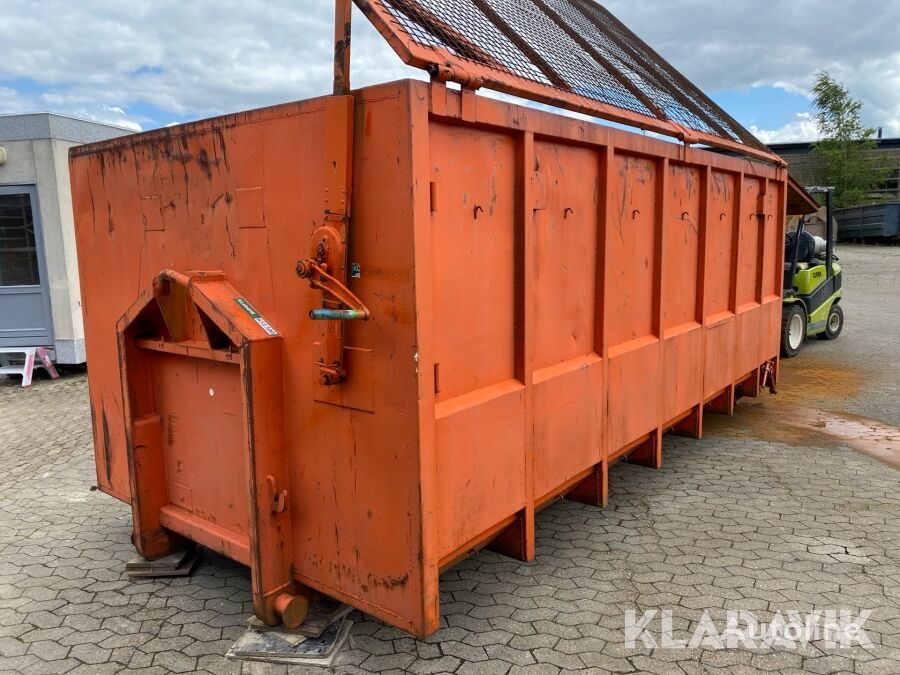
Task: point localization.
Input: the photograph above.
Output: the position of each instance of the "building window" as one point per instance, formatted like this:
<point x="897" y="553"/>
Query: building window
<point x="890" y="188"/>
<point x="18" y="251"/>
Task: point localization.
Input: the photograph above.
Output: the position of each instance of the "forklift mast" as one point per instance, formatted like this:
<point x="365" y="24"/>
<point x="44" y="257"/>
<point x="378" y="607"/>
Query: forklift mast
<point x="829" y="226"/>
<point x="829" y="243"/>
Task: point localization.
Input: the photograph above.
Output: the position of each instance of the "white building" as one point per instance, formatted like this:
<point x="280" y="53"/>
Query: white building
<point x="40" y="299"/>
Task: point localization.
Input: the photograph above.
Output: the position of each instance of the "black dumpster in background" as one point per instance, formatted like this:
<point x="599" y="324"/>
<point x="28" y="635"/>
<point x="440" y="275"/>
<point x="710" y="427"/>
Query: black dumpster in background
<point x="877" y="221"/>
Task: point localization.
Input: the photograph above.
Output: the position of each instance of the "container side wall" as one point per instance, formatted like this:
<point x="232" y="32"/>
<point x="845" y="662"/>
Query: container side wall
<point x="639" y="255"/>
<point x="749" y="313"/>
<point x="568" y="375"/>
<point x="774" y="204"/>
<point x="720" y="244"/>
<point x="632" y="297"/>
<point x="720" y="283"/>
<point x="632" y="254"/>
<point x="681" y="290"/>
<point x="683" y="222"/>
<point x="480" y="401"/>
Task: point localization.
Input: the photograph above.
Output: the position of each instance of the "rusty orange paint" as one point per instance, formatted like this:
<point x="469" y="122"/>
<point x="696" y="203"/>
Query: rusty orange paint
<point x="547" y="295"/>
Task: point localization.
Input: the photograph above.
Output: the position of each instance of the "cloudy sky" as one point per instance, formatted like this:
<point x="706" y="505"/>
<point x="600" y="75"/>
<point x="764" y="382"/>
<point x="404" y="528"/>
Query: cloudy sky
<point x="149" y="63"/>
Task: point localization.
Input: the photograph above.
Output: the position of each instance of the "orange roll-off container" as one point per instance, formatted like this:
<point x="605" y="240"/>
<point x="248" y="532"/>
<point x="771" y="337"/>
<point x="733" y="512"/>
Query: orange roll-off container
<point x="348" y="341"/>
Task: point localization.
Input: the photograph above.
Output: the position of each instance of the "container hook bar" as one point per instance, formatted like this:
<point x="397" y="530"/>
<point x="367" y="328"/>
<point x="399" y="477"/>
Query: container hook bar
<point x="339" y="304"/>
<point x="325" y="314"/>
<point x="334" y="291"/>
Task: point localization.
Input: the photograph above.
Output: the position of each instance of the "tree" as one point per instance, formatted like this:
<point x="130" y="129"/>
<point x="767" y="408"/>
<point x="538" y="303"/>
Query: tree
<point x="846" y="145"/>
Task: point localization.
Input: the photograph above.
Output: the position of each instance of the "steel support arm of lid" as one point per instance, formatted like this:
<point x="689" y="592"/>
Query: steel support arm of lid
<point x="342" y="32"/>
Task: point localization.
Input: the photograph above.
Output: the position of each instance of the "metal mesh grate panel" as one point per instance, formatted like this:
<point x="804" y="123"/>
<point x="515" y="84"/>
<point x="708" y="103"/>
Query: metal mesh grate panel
<point x="680" y="100"/>
<point x="561" y="54"/>
<point x="626" y="56"/>
<point x="570" y="53"/>
<point x="459" y="27"/>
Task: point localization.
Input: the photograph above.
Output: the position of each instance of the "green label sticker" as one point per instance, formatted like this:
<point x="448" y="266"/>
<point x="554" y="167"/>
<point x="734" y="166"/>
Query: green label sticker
<point x="256" y="316"/>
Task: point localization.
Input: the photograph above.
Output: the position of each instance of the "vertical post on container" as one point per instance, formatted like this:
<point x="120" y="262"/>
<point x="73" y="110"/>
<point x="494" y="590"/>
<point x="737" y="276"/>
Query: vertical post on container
<point x="763" y="215"/>
<point x="649" y="453"/>
<point x="326" y="266"/>
<point x="329" y="244"/>
<point x="342" y="29"/>
<point x="518" y="539"/>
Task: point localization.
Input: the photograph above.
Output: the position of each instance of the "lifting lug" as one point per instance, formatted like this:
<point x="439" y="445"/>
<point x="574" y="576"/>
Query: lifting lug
<point x="278" y="497"/>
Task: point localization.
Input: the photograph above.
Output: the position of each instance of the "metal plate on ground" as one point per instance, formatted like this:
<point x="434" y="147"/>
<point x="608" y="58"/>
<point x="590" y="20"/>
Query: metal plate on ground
<point x="281" y="646"/>
<point x="180" y="564"/>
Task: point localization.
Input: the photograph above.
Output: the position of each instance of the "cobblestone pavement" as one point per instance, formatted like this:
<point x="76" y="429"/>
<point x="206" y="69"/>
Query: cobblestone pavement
<point x="731" y="522"/>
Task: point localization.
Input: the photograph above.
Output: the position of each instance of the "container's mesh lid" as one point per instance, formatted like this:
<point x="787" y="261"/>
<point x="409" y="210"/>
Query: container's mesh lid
<point x="572" y="54"/>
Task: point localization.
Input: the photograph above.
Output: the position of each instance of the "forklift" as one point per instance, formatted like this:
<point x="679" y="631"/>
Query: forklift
<point x="812" y="284"/>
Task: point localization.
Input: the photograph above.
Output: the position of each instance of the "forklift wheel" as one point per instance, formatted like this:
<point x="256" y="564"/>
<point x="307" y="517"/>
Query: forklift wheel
<point x="834" y="325"/>
<point x="793" y="330"/>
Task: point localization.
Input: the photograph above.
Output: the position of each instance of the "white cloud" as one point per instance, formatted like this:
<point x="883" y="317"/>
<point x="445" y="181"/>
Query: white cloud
<point x="740" y="44"/>
<point x="12" y="101"/>
<point x="802" y="128"/>
<point x="195" y="59"/>
<point x="190" y="59"/>
<point x="109" y="114"/>
<point x="790" y="87"/>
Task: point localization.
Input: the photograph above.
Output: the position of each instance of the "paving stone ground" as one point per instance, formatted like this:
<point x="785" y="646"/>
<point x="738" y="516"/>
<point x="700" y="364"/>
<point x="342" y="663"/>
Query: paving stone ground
<point x="731" y="522"/>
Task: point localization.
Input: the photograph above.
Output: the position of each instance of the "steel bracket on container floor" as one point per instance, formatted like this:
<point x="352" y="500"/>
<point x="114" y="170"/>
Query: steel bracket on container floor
<point x="767" y="376"/>
<point x="185" y="333"/>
